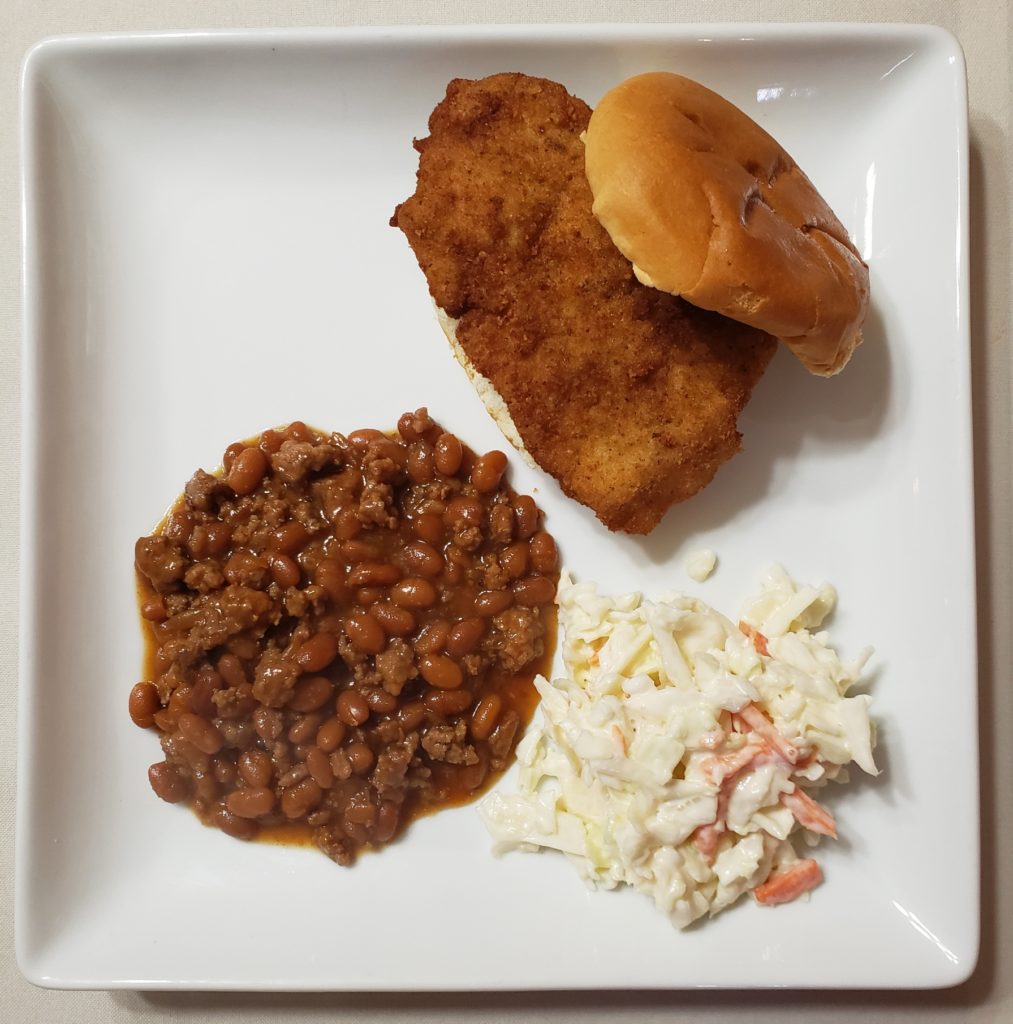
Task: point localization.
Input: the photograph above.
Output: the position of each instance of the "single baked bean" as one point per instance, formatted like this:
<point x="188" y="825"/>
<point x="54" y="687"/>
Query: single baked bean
<point x="395" y="621"/>
<point x="319" y="767"/>
<point x="250" y="803"/>
<point x="271" y="441"/>
<point x="501" y="523"/>
<point x="304" y="728"/>
<point x="209" y="540"/>
<point x="318" y="818"/>
<point x="388" y="448"/>
<point x="380" y="700"/>
<point x="179" y="525"/>
<point x="534" y="590"/>
<point x="464" y="510"/>
<point x="544" y="553"/>
<point x="410" y="716"/>
<point x="244" y="567"/>
<point x="317" y="652"/>
<point x="244" y="645"/>
<point x="448" y="455"/>
<point x="298" y="431"/>
<point x="292" y="776"/>
<point x="352" y="707"/>
<point x="360" y="757"/>
<point x="248" y="469"/>
<point x="232" y="825"/>
<point x="367" y="574"/>
<point x="167" y="783"/>
<point x="414" y="592"/>
<point x="429" y="527"/>
<point x="355" y="551"/>
<point x="447" y="702"/>
<point x="471" y="776"/>
<point x="268" y="723"/>
<point x="218" y="536"/>
<point x="492" y="602"/>
<point x="197" y="543"/>
<point x="284" y="571"/>
<point x="330" y="575"/>
<point x="290" y="537"/>
<point x="433" y="637"/>
<point x="256" y="768"/>
<point x="483" y="718"/>
<point x="526" y="514"/>
<point x="205" y="785"/>
<point x="340" y="765"/>
<point x="153" y="609"/>
<point x="464" y="637"/>
<point x="301" y="798"/>
<point x="406" y="425"/>
<point x="239" y="732"/>
<point x="230" y="454"/>
<point x="347" y="524"/>
<point x="143" y="704"/>
<point x="505" y="730"/>
<point x="311" y="693"/>
<point x="230" y="668"/>
<point x="514" y="560"/>
<point x="441" y="672"/>
<point x="458" y="556"/>
<point x="421" y="468"/>
<point x="387" y="821"/>
<point x="180" y="746"/>
<point x="487" y="472"/>
<point x="423" y="558"/>
<point x="179" y="702"/>
<point x="200" y="732"/>
<point x="367" y="596"/>
<point x="365" y="633"/>
<point x="361" y="438"/>
<point x="204" y="687"/>
<point x="330" y="735"/>
<point x="224" y="771"/>
<point x="361" y="812"/>
<point x="234" y="716"/>
<point x="359" y="834"/>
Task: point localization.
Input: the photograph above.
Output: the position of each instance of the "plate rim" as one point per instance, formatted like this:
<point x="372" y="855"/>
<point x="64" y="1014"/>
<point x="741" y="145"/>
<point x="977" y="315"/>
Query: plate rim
<point x="58" y="47"/>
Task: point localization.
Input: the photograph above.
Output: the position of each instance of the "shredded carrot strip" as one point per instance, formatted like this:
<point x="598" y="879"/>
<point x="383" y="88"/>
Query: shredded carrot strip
<point x="758" y="639"/>
<point x="788" y="884"/>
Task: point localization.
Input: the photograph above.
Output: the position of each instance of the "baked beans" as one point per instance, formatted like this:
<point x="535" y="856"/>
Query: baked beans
<point x="343" y="632"/>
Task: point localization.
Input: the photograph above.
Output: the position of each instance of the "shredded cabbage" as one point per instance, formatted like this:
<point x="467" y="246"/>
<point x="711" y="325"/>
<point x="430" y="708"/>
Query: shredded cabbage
<point x="677" y="753"/>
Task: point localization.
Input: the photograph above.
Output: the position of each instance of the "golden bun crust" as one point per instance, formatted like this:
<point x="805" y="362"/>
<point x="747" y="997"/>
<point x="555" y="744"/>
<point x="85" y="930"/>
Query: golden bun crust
<point x="706" y="205"/>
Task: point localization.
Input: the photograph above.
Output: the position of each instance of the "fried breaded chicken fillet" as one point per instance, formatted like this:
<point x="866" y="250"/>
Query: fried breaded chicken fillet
<point x="627" y="395"/>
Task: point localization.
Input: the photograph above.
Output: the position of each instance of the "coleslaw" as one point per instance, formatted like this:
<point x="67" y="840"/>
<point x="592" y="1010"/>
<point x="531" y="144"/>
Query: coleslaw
<point x="678" y="754"/>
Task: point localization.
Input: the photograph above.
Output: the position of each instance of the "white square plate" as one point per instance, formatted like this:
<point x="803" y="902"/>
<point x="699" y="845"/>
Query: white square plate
<point x="207" y="254"/>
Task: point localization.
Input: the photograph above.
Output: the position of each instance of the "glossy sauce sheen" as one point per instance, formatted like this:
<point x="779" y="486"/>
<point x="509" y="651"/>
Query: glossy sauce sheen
<point x="343" y="633"/>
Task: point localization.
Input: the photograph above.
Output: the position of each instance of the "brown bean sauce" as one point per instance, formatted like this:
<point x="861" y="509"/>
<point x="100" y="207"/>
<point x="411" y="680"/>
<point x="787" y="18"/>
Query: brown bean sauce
<point x="342" y="633"/>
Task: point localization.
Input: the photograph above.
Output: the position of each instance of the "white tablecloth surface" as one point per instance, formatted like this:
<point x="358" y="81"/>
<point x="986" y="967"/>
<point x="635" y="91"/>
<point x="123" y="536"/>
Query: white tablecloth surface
<point x="985" y="30"/>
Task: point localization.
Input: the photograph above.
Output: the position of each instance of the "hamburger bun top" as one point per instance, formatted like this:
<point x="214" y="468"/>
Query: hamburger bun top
<point x="706" y="205"/>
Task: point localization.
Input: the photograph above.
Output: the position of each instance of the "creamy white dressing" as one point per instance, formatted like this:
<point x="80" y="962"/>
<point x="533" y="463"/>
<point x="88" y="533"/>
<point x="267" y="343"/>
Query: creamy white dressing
<point x="656" y="763"/>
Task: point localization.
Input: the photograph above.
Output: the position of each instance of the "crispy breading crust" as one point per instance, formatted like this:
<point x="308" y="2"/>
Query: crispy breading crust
<point x="628" y="396"/>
